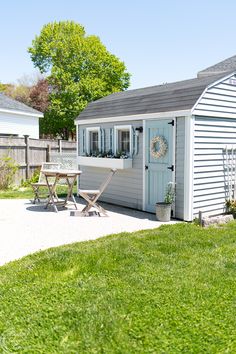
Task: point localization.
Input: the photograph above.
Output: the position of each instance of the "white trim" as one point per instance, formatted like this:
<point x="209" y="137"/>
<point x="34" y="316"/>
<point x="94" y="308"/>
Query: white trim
<point x="174" y="158"/>
<point x="123" y="127"/>
<point x="144" y="163"/>
<point x="92" y="129"/>
<point x="22" y="113"/>
<point x="188" y="168"/>
<point x="160" y="115"/>
<point x="105" y="162"/>
<point x="210" y="86"/>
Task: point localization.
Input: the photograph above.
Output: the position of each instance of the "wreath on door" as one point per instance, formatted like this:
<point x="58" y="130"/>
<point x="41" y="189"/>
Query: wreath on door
<point x="158" y="147"/>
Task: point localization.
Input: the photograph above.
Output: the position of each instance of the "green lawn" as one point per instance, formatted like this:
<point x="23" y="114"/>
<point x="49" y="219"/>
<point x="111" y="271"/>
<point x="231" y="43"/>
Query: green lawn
<point x="27" y="192"/>
<point x="168" y="290"/>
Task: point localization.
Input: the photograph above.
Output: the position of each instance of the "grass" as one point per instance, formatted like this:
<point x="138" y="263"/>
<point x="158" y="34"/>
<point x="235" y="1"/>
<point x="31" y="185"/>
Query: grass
<point x="167" y="290"/>
<point x="27" y="192"/>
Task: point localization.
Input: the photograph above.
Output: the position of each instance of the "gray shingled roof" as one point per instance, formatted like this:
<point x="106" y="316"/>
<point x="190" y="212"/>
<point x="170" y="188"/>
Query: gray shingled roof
<point x="13" y="105"/>
<point x="224" y="66"/>
<point x="175" y="96"/>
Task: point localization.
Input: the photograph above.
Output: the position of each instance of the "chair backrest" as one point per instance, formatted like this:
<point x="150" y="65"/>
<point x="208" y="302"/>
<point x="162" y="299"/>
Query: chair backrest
<point x="48" y="166"/>
<point x="107" y="180"/>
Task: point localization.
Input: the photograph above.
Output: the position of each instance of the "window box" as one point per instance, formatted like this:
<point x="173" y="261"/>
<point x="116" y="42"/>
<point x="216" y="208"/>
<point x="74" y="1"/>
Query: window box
<point x="105" y="162"/>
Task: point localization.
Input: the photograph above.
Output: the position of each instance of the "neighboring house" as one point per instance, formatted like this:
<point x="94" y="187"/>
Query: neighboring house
<point x="17" y="119"/>
<point x="172" y="132"/>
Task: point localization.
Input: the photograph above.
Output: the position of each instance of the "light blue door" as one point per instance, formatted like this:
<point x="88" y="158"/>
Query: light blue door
<point x="159" y="168"/>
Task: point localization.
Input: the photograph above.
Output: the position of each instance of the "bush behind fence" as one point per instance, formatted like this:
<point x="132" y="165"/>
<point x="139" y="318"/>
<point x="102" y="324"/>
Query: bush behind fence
<point x="29" y="153"/>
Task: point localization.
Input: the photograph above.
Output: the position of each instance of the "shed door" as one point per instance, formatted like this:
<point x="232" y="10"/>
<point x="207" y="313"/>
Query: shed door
<point x="159" y="161"/>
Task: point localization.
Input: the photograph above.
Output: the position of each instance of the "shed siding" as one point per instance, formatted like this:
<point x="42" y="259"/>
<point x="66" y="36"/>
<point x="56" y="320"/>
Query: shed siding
<point x="126" y="186"/>
<point x="179" y="174"/>
<point x="211" y="135"/>
<point x="219" y="100"/>
<point x="19" y="124"/>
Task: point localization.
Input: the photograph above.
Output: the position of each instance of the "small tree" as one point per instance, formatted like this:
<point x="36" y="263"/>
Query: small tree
<point x="8" y="169"/>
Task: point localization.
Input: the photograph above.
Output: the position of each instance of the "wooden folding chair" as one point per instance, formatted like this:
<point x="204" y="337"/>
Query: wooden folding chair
<point x="91" y="196"/>
<point x="42" y="180"/>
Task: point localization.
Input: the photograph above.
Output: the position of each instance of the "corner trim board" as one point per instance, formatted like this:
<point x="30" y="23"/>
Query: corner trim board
<point x="188" y="168"/>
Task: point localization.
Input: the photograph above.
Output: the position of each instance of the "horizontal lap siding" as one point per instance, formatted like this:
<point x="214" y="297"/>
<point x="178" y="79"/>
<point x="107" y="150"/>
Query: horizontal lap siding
<point x="126" y="185"/>
<point x="20" y="125"/>
<point x="218" y="100"/>
<point x="211" y="135"/>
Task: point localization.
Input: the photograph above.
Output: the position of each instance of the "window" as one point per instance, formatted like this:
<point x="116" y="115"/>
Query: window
<point x="123" y="139"/>
<point x="93" y="145"/>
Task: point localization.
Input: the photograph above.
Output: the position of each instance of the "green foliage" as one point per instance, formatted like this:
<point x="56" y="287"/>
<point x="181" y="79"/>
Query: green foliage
<point x="80" y="70"/>
<point x="33" y="179"/>
<point x="8" y="169"/>
<point x="170" y="193"/>
<point x="3" y="87"/>
<point x="231" y="207"/>
<point x="167" y="290"/>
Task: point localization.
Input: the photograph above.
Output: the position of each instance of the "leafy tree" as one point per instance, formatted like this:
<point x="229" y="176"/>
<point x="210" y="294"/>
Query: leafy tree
<point x="80" y="70"/>
<point x="4" y="87"/>
<point x="19" y="93"/>
<point x="23" y="90"/>
<point x="39" y="95"/>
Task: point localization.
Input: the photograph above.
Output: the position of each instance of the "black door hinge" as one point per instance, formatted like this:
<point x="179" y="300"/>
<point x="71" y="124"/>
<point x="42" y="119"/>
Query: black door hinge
<point x="146" y="167"/>
<point x="172" y="123"/>
<point x="172" y="168"/>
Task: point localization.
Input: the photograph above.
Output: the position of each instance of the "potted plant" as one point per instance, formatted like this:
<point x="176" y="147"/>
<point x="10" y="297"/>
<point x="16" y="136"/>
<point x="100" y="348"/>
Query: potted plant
<point x="163" y="209"/>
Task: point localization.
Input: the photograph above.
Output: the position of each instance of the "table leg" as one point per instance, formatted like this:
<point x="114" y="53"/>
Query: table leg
<point x="70" y="194"/>
<point x="51" y="189"/>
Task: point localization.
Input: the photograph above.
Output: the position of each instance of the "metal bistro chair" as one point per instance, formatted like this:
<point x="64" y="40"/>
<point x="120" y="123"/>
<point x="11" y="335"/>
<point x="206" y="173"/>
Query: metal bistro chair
<point x="91" y="196"/>
<point x="42" y="180"/>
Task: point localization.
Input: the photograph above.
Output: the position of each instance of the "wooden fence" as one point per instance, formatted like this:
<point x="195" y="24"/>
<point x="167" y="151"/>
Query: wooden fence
<point x="30" y="153"/>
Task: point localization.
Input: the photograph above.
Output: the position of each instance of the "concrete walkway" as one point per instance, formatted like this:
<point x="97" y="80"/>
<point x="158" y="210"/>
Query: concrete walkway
<point x="26" y="228"/>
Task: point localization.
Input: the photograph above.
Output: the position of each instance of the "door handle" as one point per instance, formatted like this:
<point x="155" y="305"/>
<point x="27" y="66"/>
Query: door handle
<point x="172" y="168"/>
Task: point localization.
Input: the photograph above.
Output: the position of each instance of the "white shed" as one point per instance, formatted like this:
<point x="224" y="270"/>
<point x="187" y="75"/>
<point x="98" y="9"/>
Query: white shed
<point x="18" y="119"/>
<point x="196" y="119"/>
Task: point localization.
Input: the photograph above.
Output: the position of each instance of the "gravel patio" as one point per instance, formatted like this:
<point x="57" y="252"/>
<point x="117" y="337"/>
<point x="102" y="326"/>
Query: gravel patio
<point x="27" y="228"/>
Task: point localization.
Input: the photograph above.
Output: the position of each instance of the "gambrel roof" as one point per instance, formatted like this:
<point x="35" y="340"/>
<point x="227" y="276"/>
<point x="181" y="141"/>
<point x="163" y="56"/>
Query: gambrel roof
<point x="181" y="95"/>
<point x="223" y="67"/>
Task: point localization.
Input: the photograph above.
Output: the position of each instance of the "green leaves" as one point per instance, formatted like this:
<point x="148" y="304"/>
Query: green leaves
<point x="80" y="70"/>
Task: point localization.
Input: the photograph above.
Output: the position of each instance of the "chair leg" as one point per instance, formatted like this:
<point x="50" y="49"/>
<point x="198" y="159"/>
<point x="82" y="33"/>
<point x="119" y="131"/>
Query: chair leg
<point x="91" y="202"/>
<point x="101" y="209"/>
<point x="36" y="194"/>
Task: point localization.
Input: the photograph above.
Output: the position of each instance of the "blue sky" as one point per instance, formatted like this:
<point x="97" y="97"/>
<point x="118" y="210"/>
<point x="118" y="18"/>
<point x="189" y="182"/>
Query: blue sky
<point x="159" y="41"/>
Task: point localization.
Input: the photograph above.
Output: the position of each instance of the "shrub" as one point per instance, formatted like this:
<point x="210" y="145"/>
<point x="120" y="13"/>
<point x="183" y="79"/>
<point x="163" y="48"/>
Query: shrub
<point x="231" y="207"/>
<point x="8" y="169"/>
<point x="33" y="179"/>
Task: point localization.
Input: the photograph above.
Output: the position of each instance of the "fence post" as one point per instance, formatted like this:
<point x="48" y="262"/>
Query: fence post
<point x="27" y="170"/>
<point x="59" y="146"/>
<point x="48" y="152"/>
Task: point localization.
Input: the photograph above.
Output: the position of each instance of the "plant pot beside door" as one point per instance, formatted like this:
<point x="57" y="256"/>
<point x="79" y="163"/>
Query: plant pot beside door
<point x="163" y="209"/>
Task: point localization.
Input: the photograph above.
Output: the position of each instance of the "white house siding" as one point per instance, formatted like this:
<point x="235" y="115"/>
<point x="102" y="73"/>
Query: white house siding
<point x="211" y="135"/>
<point x="179" y="167"/>
<point x="215" y="127"/>
<point x="19" y="124"/>
<point x="126" y="187"/>
<point x="219" y="100"/>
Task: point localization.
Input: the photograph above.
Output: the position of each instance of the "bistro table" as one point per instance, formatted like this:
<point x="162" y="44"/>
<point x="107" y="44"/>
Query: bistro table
<point x="70" y="177"/>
